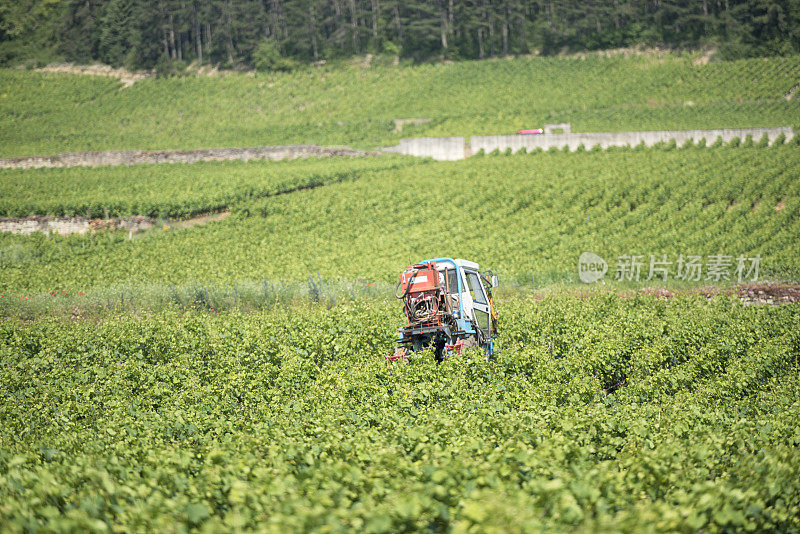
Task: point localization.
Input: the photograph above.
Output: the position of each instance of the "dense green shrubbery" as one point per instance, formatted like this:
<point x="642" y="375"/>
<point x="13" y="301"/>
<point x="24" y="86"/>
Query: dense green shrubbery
<point x="267" y="57"/>
<point x="136" y="33"/>
<point x="291" y="420"/>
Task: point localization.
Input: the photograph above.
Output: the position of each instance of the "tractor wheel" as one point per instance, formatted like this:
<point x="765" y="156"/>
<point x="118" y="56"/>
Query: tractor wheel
<point x="438" y="350"/>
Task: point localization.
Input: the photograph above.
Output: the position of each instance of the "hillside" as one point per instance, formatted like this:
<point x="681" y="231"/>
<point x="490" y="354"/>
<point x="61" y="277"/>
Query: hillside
<point x="283" y="34"/>
<point x="47" y="113"/>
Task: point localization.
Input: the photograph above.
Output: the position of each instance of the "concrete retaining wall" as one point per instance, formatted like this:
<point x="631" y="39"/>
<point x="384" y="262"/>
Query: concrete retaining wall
<point x="454" y="148"/>
<point x="439" y="148"/>
<point x="133" y="157"/>
<point x="488" y="143"/>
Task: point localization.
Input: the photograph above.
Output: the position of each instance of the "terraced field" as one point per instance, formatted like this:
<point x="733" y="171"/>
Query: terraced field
<point x="167" y="190"/>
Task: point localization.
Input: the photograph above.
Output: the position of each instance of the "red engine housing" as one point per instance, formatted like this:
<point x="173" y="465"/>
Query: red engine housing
<point x="422" y="277"/>
<point x="422" y="294"/>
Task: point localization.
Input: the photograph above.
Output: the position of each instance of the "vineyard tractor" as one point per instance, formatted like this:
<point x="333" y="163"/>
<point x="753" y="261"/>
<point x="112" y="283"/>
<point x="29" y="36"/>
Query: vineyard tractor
<point x="448" y="307"/>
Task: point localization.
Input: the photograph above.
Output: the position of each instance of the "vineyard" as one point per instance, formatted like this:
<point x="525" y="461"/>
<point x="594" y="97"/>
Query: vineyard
<point x="167" y="191"/>
<point x="599" y="414"/>
<point x="47" y="113"/>
<point x="530" y="215"/>
<point x="231" y="375"/>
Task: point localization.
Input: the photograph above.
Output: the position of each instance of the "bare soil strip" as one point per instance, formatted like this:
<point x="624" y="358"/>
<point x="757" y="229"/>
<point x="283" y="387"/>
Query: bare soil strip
<point x="753" y="293"/>
<point x="83" y="225"/>
<point x="72" y="225"/>
<point x="126" y="77"/>
<point x="135" y="157"/>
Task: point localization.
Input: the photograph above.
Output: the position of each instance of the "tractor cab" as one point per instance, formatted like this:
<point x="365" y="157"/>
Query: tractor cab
<point x="448" y="306"/>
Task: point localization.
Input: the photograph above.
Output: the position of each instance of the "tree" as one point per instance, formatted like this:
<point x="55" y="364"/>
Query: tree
<point x="231" y="32"/>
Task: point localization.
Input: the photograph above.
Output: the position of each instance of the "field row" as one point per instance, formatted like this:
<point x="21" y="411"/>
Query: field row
<point x="169" y="190"/>
<point x="183" y="190"/>
<point x="528" y="217"/>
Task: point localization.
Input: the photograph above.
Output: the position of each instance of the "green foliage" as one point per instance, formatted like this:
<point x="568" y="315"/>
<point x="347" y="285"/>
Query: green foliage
<point x="167" y="68"/>
<point x="267" y="57"/>
<point x="221" y="32"/>
<point x="291" y="420"/>
<point x="174" y="190"/>
<point x="26" y="31"/>
<point x="528" y="217"/>
<point x="161" y="412"/>
<point x="46" y="113"/>
<point x="390" y="48"/>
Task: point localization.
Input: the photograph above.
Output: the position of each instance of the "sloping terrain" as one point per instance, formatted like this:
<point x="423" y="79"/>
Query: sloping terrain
<point x="173" y="191"/>
<point x="49" y="113"/>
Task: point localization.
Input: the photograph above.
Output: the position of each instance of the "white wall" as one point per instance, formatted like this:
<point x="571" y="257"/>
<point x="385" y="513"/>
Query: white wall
<point x="455" y="148"/>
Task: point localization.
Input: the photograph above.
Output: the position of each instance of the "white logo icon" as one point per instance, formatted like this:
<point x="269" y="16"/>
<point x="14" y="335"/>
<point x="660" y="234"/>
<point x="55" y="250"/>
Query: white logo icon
<point x="591" y="267"/>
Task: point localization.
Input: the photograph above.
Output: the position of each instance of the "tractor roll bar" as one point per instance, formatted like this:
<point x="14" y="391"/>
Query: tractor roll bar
<point x="458" y="278"/>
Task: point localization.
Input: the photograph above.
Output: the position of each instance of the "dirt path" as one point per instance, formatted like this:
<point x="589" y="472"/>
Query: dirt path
<point x="135" y="157"/>
<point x="72" y="225"/>
<point x="753" y="293"/>
<point x="83" y="225"/>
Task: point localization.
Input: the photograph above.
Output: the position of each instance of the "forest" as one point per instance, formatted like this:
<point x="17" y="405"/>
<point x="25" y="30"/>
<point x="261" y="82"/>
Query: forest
<point x="285" y="34"/>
